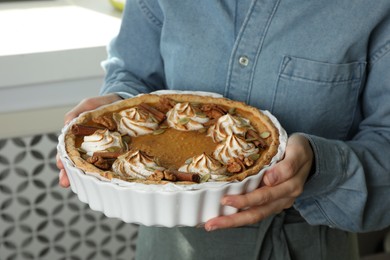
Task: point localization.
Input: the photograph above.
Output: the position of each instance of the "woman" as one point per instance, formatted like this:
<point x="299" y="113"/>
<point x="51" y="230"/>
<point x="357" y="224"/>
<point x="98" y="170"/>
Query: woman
<point x="320" y="67"/>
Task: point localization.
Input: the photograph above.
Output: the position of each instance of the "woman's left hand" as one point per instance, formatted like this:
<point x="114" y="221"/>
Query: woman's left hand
<point x="280" y="186"/>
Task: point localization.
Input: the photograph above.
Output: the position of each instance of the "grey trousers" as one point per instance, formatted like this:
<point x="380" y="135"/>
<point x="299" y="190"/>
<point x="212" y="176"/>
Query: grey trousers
<point x="282" y="237"/>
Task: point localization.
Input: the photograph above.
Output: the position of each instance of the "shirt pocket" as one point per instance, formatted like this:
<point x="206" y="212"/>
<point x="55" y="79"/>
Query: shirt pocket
<point x="317" y="97"/>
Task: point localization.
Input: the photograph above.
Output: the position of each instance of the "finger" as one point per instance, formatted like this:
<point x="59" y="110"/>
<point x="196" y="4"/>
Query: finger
<point x="59" y="163"/>
<point x="84" y="105"/>
<point x="90" y="104"/>
<point x="298" y="158"/>
<point x="71" y="115"/>
<point x="249" y="216"/>
<point x="257" y="197"/>
<point x="265" y="194"/>
<point x="283" y="170"/>
<point x="280" y="172"/>
<point x="63" y="179"/>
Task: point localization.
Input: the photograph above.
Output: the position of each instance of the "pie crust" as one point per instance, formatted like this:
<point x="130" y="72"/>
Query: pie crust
<point x="166" y="144"/>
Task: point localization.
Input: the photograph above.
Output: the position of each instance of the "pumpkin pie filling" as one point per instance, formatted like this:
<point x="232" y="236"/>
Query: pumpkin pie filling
<point x="174" y="147"/>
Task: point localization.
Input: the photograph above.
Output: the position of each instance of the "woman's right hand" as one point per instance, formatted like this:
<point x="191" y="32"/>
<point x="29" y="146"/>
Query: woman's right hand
<point x="85" y="105"/>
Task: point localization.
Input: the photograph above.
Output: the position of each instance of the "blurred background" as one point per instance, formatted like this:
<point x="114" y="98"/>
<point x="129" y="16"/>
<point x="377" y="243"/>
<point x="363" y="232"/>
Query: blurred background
<point x="50" y="55"/>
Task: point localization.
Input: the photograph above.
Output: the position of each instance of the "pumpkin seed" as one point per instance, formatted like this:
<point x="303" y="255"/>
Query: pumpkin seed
<point x="243" y="122"/>
<point x="184" y="120"/>
<point x="151" y="169"/>
<point x="188" y="161"/>
<point x="158" y="131"/>
<point x="251" y="139"/>
<point x="113" y="149"/>
<point x="254" y="156"/>
<point x="153" y="119"/>
<point x="232" y="110"/>
<point x="200" y="114"/>
<point x="221" y="178"/>
<point x="202" y="130"/>
<point x="117" y="117"/>
<point x="205" y="178"/>
<point x="265" y="135"/>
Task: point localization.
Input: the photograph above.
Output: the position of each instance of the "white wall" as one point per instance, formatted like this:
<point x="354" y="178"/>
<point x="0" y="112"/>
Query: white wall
<point x="50" y="55"/>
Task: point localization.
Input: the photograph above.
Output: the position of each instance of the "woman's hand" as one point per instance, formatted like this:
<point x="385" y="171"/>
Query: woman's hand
<point x="84" y="105"/>
<point x="280" y="186"/>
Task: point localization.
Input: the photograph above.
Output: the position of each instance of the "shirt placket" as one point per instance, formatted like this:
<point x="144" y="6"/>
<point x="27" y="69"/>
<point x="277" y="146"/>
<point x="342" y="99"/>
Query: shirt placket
<point x="247" y="49"/>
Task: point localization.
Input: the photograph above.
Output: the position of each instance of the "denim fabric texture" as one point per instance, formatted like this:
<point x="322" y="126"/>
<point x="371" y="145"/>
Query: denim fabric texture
<point x="321" y="67"/>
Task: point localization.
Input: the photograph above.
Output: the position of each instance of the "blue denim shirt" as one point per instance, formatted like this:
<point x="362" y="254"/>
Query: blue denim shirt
<point x="321" y="67"/>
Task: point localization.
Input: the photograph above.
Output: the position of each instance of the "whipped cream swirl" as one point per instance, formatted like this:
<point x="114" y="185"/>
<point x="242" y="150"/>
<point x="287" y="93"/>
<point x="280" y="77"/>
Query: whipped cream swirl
<point x="135" y="164"/>
<point x="228" y="125"/>
<point x="184" y="117"/>
<point x="204" y="164"/>
<point x="233" y="147"/>
<point x="102" y="140"/>
<point x="135" y="122"/>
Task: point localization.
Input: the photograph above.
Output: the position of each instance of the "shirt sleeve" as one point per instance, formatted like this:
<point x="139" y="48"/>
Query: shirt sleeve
<point x="350" y="188"/>
<point x="134" y="64"/>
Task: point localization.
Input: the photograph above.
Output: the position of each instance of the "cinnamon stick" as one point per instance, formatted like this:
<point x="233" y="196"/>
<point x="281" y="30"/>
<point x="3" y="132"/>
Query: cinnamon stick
<point x="106" y="121"/>
<point x="100" y="162"/>
<point x="184" y="176"/>
<point x="107" y="155"/>
<point x="155" y="112"/>
<point x="213" y="111"/>
<point x="166" y="104"/>
<point x="83" y="130"/>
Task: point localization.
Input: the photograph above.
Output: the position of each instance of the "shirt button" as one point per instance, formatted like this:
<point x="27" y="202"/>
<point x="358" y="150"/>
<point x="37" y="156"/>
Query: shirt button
<point x="244" y="61"/>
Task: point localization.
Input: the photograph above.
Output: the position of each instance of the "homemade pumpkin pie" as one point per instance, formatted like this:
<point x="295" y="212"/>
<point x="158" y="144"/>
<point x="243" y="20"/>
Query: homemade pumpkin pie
<point x="181" y="138"/>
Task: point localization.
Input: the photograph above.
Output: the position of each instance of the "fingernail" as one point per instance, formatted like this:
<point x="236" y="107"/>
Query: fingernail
<point x="270" y="178"/>
<point x="210" y="228"/>
<point x="226" y="202"/>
